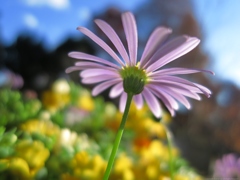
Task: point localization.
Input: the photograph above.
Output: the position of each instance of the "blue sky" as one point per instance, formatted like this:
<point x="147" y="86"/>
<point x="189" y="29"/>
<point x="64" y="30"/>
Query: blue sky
<point x="219" y="21"/>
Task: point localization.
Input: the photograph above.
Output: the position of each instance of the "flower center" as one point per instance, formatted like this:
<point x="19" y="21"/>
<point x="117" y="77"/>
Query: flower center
<point x="134" y="79"/>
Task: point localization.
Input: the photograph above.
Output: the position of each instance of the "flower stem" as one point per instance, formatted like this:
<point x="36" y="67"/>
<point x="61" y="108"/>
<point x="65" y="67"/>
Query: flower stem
<point x="118" y="137"/>
<point x="169" y="144"/>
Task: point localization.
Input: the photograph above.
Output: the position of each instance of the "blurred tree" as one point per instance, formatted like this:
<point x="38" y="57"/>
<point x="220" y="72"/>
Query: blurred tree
<point x="39" y="67"/>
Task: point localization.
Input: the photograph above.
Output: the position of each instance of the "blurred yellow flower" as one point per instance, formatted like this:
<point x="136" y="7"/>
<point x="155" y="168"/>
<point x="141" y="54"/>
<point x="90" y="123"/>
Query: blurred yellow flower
<point x="53" y="100"/>
<point x="19" y="167"/>
<point x="58" y="96"/>
<point x="88" y="167"/>
<point x="122" y="169"/>
<point x="152" y="162"/>
<point x="45" y="127"/>
<point x="34" y="153"/>
<point x="67" y="176"/>
<point x="85" y="101"/>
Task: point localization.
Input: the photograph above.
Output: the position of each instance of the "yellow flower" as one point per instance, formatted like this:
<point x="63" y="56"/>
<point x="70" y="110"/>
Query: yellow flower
<point x="152" y="161"/>
<point x="19" y="167"/>
<point x="53" y="100"/>
<point x="67" y="176"/>
<point x="88" y="167"/>
<point x="45" y="127"/>
<point x="123" y="169"/>
<point x="34" y="153"/>
<point x="85" y="101"/>
<point x="58" y="96"/>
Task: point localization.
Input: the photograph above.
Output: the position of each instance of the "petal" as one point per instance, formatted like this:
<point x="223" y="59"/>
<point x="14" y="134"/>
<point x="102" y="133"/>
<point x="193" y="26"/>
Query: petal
<point x="122" y="102"/>
<point x="81" y="55"/>
<point x="165" y="96"/>
<point x="73" y="68"/>
<point x="177" y="71"/>
<point x="156" y="38"/>
<point x="111" y="34"/>
<point x="152" y="102"/>
<point x="178" y="88"/>
<point x="138" y="99"/>
<point x="179" y="97"/>
<point x="97" y="79"/>
<point x="92" y="65"/>
<point x="171" y="51"/>
<point x="103" y="86"/>
<point x="79" y="66"/>
<point x="96" y="72"/>
<point x="168" y="101"/>
<point x="101" y="43"/>
<point x="181" y="82"/>
<point x="116" y="90"/>
<point x="205" y="90"/>
<point x="130" y="28"/>
<point x="193" y="86"/>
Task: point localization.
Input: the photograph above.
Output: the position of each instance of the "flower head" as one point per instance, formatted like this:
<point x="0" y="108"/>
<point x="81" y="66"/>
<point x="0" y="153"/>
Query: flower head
<point x="227" y="167"/>
<point x="145" y="79"/>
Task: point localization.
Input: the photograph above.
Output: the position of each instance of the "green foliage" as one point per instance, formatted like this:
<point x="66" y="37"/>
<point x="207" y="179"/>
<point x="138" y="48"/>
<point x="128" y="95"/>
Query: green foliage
<point x="15" y="109"/>
<point x="7" y="141"/>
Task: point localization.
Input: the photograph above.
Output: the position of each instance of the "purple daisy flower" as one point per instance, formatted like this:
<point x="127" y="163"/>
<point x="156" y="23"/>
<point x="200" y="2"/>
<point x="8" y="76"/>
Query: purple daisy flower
<point x="227" y="167"/>
<point x="145" y="78"/>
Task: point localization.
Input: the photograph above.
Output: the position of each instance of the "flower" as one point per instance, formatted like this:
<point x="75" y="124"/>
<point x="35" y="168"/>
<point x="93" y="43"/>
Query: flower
<point x="86" y="166"/>
<point x="227" y="167"/>
<point x="144" y="79"/>
<point x="32" y="154"/>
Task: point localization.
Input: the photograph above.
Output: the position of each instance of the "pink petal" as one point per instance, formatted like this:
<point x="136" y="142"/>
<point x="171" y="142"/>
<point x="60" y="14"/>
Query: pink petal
<point x="96" y="72"/>
<point x="103" y="86"/>
<point x="101" y="43"/>
<point x="178" y="88"/>
<point x="168" y="101"/>
<point x="176" y="71"/>
<point x="179" y="97"/>
<point x="193" y="86"/>
<point x="138" y="99"/>
<point x="92" y="65"/>
<point x="111" y="34"/>
<point x="163" y="95"/>
<point x="73" y="68"/>
<point x="97" y="79"/>
<point x="122" y="102"/>
<point x="80" y="55"/>
<point x="205" y="90"/>
<point x="155" y="39"/>
<point x="116" y="90"/>
<point x="185" y="92"/>
<point x="152" y="102"/>
<point x="171" y="51"/>
<point x="182" y="82"/>
<point x="130" y="28"/>
<point x="87" y="65"/>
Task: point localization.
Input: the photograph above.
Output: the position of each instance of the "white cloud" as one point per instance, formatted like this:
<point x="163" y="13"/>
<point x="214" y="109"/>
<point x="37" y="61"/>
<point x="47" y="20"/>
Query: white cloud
<point x="30" y="20"/>
<point x="56" y="4"/>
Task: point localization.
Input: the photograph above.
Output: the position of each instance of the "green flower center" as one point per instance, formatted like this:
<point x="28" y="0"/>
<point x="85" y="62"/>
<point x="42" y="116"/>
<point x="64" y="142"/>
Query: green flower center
<point x="134" y="79"/>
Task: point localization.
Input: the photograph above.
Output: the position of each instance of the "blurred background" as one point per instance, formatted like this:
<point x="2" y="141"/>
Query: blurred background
<point x="36" y="35"/>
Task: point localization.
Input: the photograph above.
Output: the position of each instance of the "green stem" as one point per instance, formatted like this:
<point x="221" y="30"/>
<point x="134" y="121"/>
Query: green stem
<point x="169" y="144"/>
<point x="118" y="137"/>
